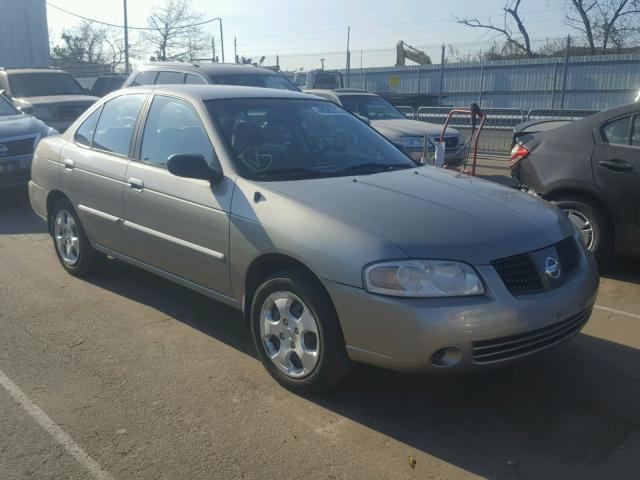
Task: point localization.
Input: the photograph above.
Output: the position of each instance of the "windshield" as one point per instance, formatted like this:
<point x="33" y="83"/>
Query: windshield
<point x="6" y="107"/>
<point x="371" y="107"/>
<point x="282" y="139"/>
<point x="42" y="84"/>
<point x="265" y="81"/>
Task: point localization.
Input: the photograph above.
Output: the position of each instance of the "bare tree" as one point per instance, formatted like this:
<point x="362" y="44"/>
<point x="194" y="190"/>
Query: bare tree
<point x="520" y="40"/>
<point x="604" y="22"/>
<point x="82" y="44"/>
<point x="175" y="33"/>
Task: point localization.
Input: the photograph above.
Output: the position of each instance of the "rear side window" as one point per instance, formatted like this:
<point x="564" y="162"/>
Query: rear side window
<point x="144" y="78"/>
<point x="617" y="132"/>
<point x="84" y="134"/>
<point x="635" y="133"/>
<point x="170" y="78"/>
<point x="117" y="121"/>
<point x="173" y="127"/>
<point x="193" y="79"/>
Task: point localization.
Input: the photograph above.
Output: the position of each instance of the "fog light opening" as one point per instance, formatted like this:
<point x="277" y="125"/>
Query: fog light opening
<point x="446" y="357"/>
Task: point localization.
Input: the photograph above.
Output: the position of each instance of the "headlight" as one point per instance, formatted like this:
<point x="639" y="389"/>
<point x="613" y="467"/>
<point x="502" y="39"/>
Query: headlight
<point x="43" y="113"/>
<point x="411" y="142"/>
<point x="423" y="278"/>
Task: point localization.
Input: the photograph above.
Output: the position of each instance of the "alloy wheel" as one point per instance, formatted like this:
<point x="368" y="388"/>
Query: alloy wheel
<point x="67" y="238"/>
<point x="289" y="333"/>
<point x="582" y="223"/>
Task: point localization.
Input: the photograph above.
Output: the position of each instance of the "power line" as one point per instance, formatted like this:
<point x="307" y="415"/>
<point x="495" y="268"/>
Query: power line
<point x="93" y="20"/>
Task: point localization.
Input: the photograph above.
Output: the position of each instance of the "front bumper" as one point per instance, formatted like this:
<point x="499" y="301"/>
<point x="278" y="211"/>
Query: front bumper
<point x="404" y="334"/>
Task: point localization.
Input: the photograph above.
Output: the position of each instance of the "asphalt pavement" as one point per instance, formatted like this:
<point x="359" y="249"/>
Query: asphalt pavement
<point x="128" y="376"/>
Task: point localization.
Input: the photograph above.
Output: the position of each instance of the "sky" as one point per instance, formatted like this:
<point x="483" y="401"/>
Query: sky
<point x="303" y="27"/>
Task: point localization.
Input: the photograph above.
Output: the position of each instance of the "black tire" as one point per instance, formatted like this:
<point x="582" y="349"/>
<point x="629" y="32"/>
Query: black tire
<point x="88" y="259"/>
<point x="602" y="240"/>
<point x="333" y="362"/>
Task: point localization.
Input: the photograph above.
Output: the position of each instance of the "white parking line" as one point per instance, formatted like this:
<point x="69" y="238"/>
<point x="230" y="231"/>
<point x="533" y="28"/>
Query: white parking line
<point x="59" y="435"/>
<point x="619" y="312"/>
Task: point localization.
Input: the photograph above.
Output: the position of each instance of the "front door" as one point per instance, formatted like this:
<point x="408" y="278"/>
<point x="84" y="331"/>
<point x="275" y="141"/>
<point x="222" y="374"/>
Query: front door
<point x="616" y="168"/>
<point x="179" y="225"/>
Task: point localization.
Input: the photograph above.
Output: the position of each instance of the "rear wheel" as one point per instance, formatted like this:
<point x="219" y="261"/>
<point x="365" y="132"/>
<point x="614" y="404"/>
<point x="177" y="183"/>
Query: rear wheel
<point x="72" y="246"/>
<point x="591" y="221"/>
<point x="297" y="334"/>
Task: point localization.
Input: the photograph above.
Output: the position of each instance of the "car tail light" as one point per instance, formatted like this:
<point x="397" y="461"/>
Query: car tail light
<point x="518" y="152"/>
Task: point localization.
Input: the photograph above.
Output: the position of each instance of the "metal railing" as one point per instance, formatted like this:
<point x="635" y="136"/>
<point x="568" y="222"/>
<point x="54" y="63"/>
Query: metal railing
<point x="498" y="130"/>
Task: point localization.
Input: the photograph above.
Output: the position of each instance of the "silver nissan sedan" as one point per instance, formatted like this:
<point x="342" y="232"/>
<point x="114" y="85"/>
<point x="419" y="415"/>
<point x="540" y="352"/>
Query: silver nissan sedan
<point x="335" y="245"/>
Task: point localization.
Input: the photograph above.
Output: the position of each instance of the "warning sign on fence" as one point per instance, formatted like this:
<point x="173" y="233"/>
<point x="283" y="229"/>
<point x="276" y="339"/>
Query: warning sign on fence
<point x="394" y="80"/>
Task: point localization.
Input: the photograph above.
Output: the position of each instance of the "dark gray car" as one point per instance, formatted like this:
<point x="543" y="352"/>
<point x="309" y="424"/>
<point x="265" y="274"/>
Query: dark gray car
<point x="334" y="244"/>
<point x="53" y="96"/>
<point x="591" y="169"/>
<point x="19" y="134"/>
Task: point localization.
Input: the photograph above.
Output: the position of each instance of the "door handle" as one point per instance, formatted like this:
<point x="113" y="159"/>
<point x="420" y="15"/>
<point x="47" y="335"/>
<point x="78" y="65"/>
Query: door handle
<point x="135" y="184"/>
<point x="69" y="164"/>
<point x="616" y="165"/>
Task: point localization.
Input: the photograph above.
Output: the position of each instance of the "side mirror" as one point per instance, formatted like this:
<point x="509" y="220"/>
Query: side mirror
<point x="193" y="165"/>
<point x="363" y="118"/>
<point x="28" y="109"/>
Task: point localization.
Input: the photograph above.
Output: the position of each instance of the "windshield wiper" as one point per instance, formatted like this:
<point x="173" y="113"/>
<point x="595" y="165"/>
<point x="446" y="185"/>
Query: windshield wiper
<point x="286" y="173"/>
<point x="364" y="168"/>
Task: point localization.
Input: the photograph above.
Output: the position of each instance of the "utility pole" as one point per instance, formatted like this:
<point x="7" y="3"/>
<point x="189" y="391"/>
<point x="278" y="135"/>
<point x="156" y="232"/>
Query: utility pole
<point x="213" y="50"/>
<point x="221" y="39"/>
<point x="348" y="56"/>
<point x="235" y="49"/>
<point x="126" y="40"/>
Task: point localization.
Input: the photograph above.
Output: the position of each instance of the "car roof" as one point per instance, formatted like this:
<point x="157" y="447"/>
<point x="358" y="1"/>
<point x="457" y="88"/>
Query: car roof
<point x="208" y="68"/>
<point x="34" y="70"/>
<point x="341" y="91"/>
<point x="217" y="92"/>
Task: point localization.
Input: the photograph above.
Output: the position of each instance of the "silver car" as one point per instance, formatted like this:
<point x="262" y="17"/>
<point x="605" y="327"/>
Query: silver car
<point x="335" y="245"/>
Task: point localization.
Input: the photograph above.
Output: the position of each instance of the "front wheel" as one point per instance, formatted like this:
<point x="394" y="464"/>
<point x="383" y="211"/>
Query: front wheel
<point x="296" y="333"/>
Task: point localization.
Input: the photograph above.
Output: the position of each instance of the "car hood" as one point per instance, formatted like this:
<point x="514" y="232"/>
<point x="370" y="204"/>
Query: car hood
<point x="56" y="99"/>
<point x="406" y="127"/>
<point x="15" y="125"/>
<point x="434" y="213"/>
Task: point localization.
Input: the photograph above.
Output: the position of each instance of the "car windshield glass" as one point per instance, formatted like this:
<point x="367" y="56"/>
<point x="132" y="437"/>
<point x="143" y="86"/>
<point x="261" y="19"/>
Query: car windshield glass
<point x="265" y="81"/>
<point x="43" y="84"/>
<point x="6" y="107"/>
<point x="282" y="139"/>
<point x="371" y="107"/>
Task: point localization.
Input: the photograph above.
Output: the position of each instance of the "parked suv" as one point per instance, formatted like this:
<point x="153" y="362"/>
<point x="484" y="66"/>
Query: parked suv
<point x="334" y="244"/>
<point x="166" y="73"/>
<point x="591" y="169"/>
<point x="385" y="118"/>
<point x="53" y="96"/>
<point x="19" y="135"/>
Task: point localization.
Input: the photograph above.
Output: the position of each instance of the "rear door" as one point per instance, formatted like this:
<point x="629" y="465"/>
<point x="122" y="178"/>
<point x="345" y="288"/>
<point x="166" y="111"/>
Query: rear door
<point x="616" y="167"/>
<point x="95" y="163"/>
<point x="178" y="225"/>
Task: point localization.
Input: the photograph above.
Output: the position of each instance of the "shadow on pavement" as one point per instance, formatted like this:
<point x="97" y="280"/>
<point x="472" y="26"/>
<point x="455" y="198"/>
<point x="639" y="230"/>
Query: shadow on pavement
<point x="624" y="269"/>
<point x="16" y="215"/>
<point x="563" y="413"/>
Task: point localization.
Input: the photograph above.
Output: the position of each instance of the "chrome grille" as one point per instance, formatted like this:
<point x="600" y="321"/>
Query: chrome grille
<point x="505" y="348"/>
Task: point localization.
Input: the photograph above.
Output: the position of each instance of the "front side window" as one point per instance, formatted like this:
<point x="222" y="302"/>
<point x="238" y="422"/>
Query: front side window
<point x="635" y="133"/>
<point x="84" y="134"/>
<point x="173" y="127"/>
<point x="170" y="78"/>
<point x="117" y="122"/>
<point x="194" y="79"/>
<point x="6" y="107"/>
<point x="42" y="84"/>
<point x="285" y="139"/>
<point x="144" y="78"/>
<point x="264" y="81"/>
<point x="617" y="132"/>
<point x="371" y="107"/>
